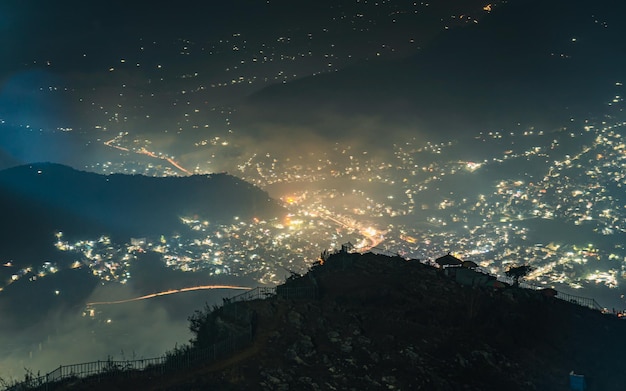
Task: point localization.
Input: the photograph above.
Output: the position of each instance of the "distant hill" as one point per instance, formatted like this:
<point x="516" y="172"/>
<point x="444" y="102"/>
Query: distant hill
<point x="530" y="62"/>
<point x="381" y="322"/>
<point x="38" y="200"/>
<point x="6" y="160"/>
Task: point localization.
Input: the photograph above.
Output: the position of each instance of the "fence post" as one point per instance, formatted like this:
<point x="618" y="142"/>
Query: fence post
<point x="128" y="366"/>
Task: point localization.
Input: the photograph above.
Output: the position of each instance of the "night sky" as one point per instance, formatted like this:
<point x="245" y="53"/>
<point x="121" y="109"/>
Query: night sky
<point x="174" y="67"/>
<point x="71" y="64"/>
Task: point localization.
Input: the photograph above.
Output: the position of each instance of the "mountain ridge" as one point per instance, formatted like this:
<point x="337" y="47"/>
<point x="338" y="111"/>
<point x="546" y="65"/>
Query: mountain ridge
<point x="44" y="198"/>
<point x="542" y="65"/>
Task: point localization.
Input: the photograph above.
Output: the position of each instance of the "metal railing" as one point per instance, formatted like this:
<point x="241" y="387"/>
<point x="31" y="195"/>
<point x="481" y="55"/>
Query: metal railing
<point x="258" y="293"/>
<point x="296" y="292"/>
<point x="589" y="302"/>
<point x="183" y="358"/>
<point x="97" y="371"/>
<point x="177" y="360"/>
<point x="580" y="300"/>
<point x="282" y="291"/>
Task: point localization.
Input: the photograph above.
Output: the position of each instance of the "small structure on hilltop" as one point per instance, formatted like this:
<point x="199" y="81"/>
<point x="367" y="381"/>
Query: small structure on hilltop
<point x="466" y="273"/>
<point x="470" y="277"/>
<point x="447" y="261"/>
<point x="469" y="264"/>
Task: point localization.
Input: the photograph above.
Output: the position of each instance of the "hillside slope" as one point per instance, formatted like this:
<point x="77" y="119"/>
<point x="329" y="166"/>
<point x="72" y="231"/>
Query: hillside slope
<point x="38" y="200"/>
<point x="386" y="323"/>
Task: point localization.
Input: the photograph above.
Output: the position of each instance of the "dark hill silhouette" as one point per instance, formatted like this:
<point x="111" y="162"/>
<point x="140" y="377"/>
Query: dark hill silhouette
<point x="6" y="160"/>
<point x="38" y="200"/>
<point x="532" y="62"/>
<point x="382" y="322"/>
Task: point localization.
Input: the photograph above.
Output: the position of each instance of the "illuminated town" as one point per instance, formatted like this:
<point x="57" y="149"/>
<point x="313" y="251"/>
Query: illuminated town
<point x="547" y="197"/>
<point x="413" y="205"/>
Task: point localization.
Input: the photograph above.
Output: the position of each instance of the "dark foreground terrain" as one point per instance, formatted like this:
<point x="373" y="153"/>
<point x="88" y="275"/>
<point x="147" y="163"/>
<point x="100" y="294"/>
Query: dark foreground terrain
<point x="378" y="322"/>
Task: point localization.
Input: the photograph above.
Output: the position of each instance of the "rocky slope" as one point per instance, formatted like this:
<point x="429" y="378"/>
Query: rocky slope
<point x="386" y="323"/>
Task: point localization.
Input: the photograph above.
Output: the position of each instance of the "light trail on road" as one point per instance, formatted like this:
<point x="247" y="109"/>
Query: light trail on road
<point x="171" y="161"/>
<point x="110" y="144"/>
<point x="372" y="234"/>
<point x="170" y="292"/>
<point x="144" y="151"/>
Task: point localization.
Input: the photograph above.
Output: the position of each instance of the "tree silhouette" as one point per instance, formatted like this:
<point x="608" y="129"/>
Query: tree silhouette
<point x="518" y="272"/>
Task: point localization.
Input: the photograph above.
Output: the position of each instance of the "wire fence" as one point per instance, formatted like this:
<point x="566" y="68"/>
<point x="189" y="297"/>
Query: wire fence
<point x="97" y="371"/>
<point x="282" y="291"/>
<point x="180" y="359"/>
<point x="258" y="293"/>
<point x="580" y="300"/>
<point x="296" y="292"/>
